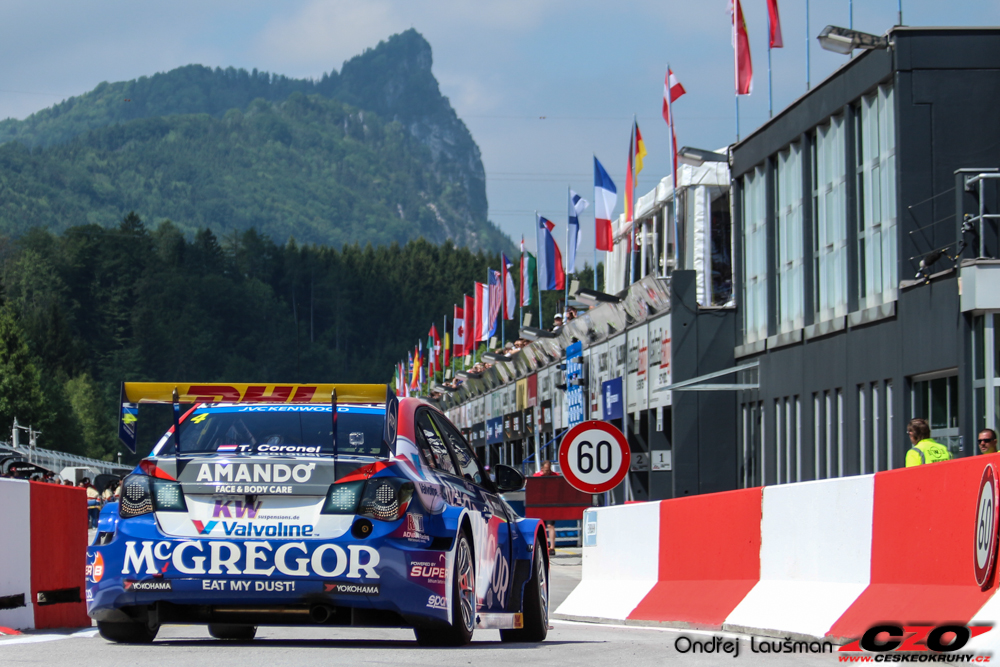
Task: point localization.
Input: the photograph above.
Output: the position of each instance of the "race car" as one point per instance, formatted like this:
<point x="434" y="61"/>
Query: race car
<point x="327" y="505"/>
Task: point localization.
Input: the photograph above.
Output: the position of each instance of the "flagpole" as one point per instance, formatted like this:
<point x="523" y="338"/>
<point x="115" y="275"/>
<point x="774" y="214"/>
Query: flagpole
<point x="595" y="231"/>
<point x="673" y="163"/>
<point x="538" y="278"/>
<point x="567" y="268"/>
<point x="631" y="196"/>
<point x="770" y="98"/>
<point x="808" y="46"/>
<point x="520" y="292"/>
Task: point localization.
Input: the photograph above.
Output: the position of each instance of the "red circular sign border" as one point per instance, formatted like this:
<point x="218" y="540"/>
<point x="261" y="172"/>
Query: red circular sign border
<point x="564" y="456"/>
<point x="988" y="473"/>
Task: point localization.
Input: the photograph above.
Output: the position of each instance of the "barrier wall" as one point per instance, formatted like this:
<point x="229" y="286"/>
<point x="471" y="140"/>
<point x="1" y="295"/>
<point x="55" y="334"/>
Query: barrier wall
<point x="823" y="559"/>
<point x="42" y="555"/>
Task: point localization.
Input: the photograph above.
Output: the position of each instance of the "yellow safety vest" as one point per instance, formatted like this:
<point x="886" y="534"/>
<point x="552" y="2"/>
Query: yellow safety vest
<point x="927" y="451"/>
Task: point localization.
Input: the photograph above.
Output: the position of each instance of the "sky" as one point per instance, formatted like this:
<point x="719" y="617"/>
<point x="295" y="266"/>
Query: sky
<point x="543" y="85"/>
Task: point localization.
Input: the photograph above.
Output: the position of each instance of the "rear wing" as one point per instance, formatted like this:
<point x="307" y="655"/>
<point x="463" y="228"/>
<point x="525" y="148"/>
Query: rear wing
<point x="175" y="393"/>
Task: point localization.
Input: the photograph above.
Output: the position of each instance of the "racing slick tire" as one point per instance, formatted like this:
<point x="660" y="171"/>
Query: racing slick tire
<point x="463" y="608"/>
<point x="127" y="633"/>
<point x="232" y="631"/>
<point x="535" y="605"/>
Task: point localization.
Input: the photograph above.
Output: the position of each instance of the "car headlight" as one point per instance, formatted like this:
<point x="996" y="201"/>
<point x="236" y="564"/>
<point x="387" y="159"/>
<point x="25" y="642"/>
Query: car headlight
<point x="386" y="498"/>
<point x="142" y="494"/>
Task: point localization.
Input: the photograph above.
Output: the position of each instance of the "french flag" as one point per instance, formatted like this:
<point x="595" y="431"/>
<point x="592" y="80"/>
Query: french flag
<point x="605" y="198"/>
<point x="550" y="265"/>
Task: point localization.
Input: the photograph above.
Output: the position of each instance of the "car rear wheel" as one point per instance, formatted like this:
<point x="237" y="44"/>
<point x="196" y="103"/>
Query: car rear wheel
<point x="127" y="633"/>
<point x="463" y="602"/>
<point x="232" y="631"/>
<point x="535" y="605"/>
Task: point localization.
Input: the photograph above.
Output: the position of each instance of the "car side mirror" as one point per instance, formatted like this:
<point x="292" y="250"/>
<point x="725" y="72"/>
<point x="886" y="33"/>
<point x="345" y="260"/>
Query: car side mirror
<point x="507" y="478"/>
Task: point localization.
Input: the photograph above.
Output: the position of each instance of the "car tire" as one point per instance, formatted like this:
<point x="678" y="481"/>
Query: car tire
<point x="127" y="633"/>
<point x="535" y="604"/>
<point x="463" y="602"/>
<point x="232" y="631"/>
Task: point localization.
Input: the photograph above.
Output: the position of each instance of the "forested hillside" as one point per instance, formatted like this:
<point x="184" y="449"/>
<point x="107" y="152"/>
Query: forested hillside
<point x="374" y="154"/>
<point x="93" y="306"/>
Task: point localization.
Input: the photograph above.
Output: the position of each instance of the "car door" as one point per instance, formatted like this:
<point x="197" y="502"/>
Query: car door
<point x="490" y="522"/>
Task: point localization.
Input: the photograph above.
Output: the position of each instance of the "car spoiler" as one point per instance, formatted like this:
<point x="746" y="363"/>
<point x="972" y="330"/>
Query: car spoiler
<point x="175" y="393"/>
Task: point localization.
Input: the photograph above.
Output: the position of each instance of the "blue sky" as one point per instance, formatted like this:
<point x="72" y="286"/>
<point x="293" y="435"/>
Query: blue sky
<point x="542" y="84"/>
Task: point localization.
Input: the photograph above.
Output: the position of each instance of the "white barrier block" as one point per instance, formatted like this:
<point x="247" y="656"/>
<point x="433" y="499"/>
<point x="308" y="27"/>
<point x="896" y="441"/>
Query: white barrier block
<point x="15" y="552"/>
<point x="815" y="555"/>
<point x="988" y="615"/>
<point x="621" y="567"/>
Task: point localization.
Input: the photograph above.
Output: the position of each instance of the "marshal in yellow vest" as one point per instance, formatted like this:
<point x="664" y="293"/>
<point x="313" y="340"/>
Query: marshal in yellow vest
<point x="927" y="451"/>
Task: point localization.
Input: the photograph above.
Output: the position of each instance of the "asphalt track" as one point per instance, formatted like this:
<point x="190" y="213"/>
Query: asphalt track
<point x="568" y="644"/>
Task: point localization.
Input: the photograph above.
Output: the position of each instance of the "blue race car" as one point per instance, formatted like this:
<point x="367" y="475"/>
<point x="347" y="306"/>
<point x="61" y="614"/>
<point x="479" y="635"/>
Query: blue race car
<point x="333" y="505"/>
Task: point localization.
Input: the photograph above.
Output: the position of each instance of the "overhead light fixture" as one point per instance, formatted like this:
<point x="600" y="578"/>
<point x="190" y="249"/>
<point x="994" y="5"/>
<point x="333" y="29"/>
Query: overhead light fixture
<point x="845" y="41"/>
<point x="493" y="357"/>
<point x="699" y="156"/>
<point x="534" y="333"/>
<point x="592" y="297"/>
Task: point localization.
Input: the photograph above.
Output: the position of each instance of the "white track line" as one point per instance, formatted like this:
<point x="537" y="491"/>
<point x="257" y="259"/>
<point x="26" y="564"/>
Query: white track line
<point x="34" y="639"/>
<point x="682" y="631"/>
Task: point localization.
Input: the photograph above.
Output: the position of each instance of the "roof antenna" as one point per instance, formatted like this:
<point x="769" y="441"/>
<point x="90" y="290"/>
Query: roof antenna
<point x="177" y="424"/>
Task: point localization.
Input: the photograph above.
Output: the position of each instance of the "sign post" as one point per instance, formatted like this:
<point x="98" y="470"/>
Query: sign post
<point x="594" y="457"/>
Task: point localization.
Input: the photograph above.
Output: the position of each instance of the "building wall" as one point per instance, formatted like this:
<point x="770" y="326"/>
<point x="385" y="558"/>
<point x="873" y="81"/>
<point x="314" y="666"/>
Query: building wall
<point x="945" y="86"/>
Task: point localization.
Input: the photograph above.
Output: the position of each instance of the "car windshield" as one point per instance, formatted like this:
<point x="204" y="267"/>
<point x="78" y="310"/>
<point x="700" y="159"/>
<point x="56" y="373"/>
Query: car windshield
<point x="282" y="430"/>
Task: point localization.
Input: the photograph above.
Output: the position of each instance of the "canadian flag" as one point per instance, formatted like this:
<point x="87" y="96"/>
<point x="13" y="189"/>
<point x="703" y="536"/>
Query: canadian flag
<point x="458" y="333"/>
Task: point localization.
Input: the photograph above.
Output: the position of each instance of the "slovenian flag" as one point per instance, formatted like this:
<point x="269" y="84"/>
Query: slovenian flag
<point x="605" y="198"/>
<point x="577" y="204"/>
<point x="550" y="266"/>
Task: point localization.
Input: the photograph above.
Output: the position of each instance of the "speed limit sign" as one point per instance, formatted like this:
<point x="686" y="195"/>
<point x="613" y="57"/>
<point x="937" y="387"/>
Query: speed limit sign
<point x="594" y="457"/>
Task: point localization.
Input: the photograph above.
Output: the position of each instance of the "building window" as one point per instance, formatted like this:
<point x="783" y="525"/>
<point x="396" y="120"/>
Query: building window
<point x="876" y="178"/>
<point x="829" y="221"/>
<point x="755" y="253"/>
<point x="986" y="370"/>
<point x="935" y="398"/>
<point x="788" y="239"/>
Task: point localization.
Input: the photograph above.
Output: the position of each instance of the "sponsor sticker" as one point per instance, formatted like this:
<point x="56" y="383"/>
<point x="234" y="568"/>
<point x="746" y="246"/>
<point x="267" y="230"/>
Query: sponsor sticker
<point x="245" y="586"/>
<point x="349" y="588"/>
<point x="437" y="602"/>
<point x="95" y="570"/>
<point x="149" y="585"/>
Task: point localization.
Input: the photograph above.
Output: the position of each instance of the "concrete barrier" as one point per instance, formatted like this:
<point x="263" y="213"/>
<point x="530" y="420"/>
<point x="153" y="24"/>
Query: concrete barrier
<point x="42" y="555"/>
<point x="820" y="559"/>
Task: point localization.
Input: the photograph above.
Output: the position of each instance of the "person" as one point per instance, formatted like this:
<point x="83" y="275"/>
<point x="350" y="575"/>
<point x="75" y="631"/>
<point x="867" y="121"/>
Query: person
<point x="557" y="322"/>
<point x="93" y="502"/>
<point x="987" y="441"/>
<point x="550" y="526"/>
<point x="924" y="449"/>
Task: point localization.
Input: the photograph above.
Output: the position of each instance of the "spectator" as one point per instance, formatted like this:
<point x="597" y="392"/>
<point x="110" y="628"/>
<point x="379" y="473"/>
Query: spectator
<point x="93" y="502"/>
<point x="987" y="441"/>
<point x="550" y="526"/>
<point x="924" y="449"/>
<point x="557" y="322"/>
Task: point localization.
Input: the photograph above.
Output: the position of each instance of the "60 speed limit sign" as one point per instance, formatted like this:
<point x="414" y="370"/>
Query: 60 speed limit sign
<point x="594" y="457"/>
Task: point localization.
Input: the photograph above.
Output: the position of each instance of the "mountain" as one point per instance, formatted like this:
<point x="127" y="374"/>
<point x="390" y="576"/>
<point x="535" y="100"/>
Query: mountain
<point x="373" y="153"/>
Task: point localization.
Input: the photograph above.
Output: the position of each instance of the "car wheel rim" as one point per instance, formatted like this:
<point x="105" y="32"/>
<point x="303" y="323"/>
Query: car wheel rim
<point x="543" y="589"/>
<point x="466" y="590"/>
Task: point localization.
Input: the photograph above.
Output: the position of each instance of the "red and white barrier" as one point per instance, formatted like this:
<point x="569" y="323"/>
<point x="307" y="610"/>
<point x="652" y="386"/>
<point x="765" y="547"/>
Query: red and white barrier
<point x="43" y="550"/>
<point x="820" y="559"/>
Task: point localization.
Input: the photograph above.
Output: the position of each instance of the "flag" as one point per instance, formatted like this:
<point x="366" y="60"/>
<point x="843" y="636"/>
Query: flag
<point x="509" y="296"/>
<point x="481" y="314"/>
<point x="605" y="198"/>
<point x="577" y="205"/>
<point x="495" y="301"/>
<point x="415" y="375"/>
<point x="774" y="25"/>
<point x="458" y="338"/>
<point x="469" y="337"/>
<point x="630" y="181"/>
<point x="741" y="42"/>
<point x="550" y="266"/>
<point x="672" y="90"/>
<point x="640" y="149"/>
<point x="446" y="351"/>
<point x="434" y="344"/>
<point x="527" y="279"/>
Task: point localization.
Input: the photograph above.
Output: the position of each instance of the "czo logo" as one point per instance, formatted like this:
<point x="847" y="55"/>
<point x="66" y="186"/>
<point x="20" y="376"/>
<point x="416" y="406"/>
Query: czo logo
<point x="941" y="639"/>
